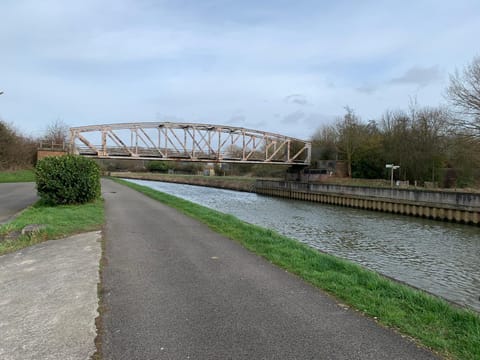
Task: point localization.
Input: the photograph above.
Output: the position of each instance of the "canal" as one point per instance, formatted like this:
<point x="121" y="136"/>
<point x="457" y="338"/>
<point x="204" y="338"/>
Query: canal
<point x="441" y="258"/>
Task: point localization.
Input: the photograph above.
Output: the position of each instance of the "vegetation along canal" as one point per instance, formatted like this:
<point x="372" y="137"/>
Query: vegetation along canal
<point x="441" y="258"/>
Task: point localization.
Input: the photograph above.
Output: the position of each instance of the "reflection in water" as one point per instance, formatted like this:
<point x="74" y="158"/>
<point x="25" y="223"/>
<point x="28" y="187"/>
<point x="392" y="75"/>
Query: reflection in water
<point x="441" y="258"/>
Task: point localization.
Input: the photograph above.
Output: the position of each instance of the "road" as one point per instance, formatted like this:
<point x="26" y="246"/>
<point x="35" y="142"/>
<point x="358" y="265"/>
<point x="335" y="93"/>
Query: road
<point x="173" y="289"/>
<point x="15" y="197"/>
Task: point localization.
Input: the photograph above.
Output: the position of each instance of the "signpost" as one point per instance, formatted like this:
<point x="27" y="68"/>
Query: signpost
<point x="393" y="167"/>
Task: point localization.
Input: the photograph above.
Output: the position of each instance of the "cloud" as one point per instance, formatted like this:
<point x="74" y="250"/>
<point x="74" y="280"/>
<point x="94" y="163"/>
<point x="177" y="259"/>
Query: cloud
<point x="92" y="61"/>
<point x="294" y="117"/>
<point x="298" y="99"/>
<point x="367" y="89"/>
<point x="168" y="118"/>
<point x="317" y="119"/>
<point x="237" y="118"/>
<point x="421" y="76"/>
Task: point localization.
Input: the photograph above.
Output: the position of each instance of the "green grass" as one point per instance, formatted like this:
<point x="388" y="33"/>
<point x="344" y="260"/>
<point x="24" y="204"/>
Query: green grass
<point x="448" y="330"/>
<point x="17" y="176"/>
<point x="60" y="221"/>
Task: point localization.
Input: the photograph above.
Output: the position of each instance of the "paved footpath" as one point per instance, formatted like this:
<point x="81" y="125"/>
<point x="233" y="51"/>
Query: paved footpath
<point x="176" y="290"/>
<point x="15" y="197"/>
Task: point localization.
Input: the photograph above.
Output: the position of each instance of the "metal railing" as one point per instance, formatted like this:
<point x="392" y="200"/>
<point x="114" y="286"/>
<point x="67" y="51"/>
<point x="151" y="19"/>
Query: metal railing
<point x="52" y="145"/>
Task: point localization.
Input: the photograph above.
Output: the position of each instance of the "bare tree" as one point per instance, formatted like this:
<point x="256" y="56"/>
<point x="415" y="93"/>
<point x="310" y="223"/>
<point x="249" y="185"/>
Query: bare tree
<point x="415" y="140"/>
<point x="350" y="132"/>
<point x="464" y="94"/>
<point x="57" y="133"/>
<point x="428" y="136"/>
<point x="324" y="143"/>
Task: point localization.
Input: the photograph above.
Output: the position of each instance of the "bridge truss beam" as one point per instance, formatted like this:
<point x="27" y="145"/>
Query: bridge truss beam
<point x="188" y="142"/>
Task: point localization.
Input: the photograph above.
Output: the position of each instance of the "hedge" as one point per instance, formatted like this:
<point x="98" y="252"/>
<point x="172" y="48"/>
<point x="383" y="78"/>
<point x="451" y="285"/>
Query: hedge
<point x="68" y="179"/>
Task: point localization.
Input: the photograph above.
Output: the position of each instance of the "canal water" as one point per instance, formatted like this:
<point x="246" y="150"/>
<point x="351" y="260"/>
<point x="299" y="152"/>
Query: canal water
<point x="441" y="258"/>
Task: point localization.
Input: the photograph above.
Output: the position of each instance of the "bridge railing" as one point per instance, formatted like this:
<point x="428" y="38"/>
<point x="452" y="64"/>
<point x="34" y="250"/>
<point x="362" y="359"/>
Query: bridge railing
<point x="52" y="145"/>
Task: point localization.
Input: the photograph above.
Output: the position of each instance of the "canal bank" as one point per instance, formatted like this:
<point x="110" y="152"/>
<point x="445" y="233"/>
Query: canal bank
<point x="236" y="183"/>
<point x="454" y="206"/>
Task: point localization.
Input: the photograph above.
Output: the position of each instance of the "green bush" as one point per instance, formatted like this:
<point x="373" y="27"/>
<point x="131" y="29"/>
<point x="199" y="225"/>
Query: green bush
<point x="67" y="179"/>
<point x="157" y="166"/>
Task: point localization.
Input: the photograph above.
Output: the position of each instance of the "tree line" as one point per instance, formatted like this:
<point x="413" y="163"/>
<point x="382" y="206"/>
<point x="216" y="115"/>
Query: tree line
<point x="18" y="151"/>
<point x="439" y="144"/>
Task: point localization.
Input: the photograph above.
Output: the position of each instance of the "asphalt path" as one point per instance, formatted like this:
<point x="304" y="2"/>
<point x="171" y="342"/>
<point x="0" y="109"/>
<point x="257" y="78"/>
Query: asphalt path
<point x="15" y="197"/>
<point x="174" y="289"/>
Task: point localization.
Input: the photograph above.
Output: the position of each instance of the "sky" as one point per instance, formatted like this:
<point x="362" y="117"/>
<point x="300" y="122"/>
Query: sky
<point x="281" y="66"/>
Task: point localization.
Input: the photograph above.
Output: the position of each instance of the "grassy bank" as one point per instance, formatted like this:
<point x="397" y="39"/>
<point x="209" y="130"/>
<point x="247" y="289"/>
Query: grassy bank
<point x="17" y="176"/>
<point x="452" y="332"/>
<point x="60" y="221"/>
<point x="240" y="183"/>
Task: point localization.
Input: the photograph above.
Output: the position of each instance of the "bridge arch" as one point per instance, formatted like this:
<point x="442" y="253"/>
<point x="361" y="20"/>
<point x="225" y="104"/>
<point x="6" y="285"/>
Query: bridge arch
<point x="188" y="142"/>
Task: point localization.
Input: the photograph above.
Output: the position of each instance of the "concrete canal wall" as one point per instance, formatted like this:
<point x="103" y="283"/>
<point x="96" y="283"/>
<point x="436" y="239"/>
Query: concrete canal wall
<point x="438" y="205"/>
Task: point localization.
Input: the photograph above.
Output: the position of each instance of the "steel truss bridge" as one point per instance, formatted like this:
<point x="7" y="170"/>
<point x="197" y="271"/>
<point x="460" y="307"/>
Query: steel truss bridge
<point x="188" y="142"/>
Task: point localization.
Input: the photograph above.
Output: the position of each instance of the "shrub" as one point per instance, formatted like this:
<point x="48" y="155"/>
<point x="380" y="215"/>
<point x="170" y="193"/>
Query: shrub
<point x="67" y="179"/>
<point x="157" y="166"/>
<point x="187" y="167"/>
